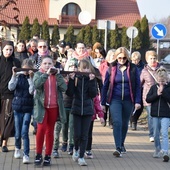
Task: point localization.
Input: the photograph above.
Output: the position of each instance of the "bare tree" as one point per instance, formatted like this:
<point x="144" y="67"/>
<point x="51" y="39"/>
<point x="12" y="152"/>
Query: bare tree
<point x="4" y="4"/>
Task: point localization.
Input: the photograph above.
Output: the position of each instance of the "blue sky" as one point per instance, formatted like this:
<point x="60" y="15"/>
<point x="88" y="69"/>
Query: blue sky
<point x="154" y="9"/>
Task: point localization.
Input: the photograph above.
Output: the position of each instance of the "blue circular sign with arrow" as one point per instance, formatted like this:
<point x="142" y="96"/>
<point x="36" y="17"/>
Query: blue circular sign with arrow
<point x="159" y="31"/>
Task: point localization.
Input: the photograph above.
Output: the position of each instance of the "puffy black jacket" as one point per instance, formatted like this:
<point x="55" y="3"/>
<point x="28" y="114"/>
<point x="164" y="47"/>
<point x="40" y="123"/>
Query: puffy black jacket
<point x="160" y="105"/>
<point x="23" y="100"/>
<point x="83" y="91"/>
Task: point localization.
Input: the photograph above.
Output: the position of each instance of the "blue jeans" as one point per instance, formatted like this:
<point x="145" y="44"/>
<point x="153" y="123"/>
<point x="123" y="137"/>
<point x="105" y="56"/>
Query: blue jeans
<point x="150" y="121"/>
<point x="161" y="125"/>
<point x="120" y="112"/>
<point x="22" y="123"/>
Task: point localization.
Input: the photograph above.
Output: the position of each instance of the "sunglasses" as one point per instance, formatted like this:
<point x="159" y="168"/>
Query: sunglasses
<point x="42" y="46"/>
<point x="122" y="58"/>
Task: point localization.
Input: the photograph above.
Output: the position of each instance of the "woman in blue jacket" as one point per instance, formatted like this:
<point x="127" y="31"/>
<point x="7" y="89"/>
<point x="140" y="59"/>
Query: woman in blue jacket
<point x="122" y="84"/>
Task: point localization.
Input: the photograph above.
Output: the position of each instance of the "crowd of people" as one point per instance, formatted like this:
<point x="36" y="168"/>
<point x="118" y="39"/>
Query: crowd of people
<point x="64" y="89"/>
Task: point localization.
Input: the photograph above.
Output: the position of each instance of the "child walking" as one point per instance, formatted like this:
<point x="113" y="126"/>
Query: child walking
<point x="159" y="98"/>
<point x="49" y="85"/>
<point x="83" y="89"/>
<point x="22" y="105"/>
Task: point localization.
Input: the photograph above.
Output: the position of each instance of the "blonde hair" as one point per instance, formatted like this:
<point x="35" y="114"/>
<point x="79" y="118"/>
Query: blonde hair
<point x="85" y="63"/>
<point x="27" y="62"/>
<point x="150" y="52"/>
<point x="162" y="73"/>
<point x="136" y="55"/>
<point x="110" y="55"/>
<point x="121" y="50"/>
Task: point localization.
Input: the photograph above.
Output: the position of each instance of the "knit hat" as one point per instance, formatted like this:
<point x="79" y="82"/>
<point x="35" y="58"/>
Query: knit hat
<point x="4" y="43"/>
<point x="73" y="62"/>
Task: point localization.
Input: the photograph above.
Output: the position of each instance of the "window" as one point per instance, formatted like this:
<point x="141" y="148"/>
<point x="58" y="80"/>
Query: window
<point x="71" y="9"/>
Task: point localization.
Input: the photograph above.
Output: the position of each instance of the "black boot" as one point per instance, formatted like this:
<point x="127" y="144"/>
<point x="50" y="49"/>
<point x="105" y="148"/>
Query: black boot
<point x="134" y="126"/>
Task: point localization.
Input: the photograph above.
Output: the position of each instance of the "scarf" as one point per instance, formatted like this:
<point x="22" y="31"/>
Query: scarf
<point x="46" y="53"/>
<point x="80" y="57"/>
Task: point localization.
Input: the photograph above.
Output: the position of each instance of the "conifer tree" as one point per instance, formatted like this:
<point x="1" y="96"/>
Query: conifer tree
<point x="95" y="34"/>
<point x="87" y="35"/>
<point x="115" y="38"/>
<point x="69" y="36"/>
<point x="137" y="41"/>
<point x="55" y="35"/>
<point x="145" y="33"/>
<point x="80" y="35"/>
<point x="35" y="28"/>
<point x="25" y="30"/>
<point x="45" y="32"/>
<point x="124" y="38"/>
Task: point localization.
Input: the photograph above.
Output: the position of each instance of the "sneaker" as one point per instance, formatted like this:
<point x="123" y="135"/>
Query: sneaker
<point x="26" y="159"/>
<point x="4" y="149"/>
<point x="47" y="160"/>
<point x="165" y="157"/>
<point x="64" y="147"/>
<point x="82" y="162"/>
<point x="88" y="154"/>
<point x="70" y="150"/>
<point x="123" y="150"/>
<point x="38" y="159"/>
<point x="117" y="153"/>
<point x="75" y="155"/>
<point x="151" y="139"/>
<point x="157" y="154"/>
<point x="17" y="153"/>
<point x="55" y="153"/>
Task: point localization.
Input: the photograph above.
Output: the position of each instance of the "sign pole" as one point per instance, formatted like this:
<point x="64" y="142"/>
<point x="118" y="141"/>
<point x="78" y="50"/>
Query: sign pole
<point x="131" y="40"/>
<point x="105" y="38"/>
<point x="157" y="49"/>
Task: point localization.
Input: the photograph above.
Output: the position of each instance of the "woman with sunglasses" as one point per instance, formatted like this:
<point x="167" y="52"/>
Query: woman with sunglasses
<point x="42" y="52"/>
<point x="122" y="84"/>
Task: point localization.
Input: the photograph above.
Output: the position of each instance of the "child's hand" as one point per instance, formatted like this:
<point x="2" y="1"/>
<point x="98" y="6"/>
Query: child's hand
<point x="102" y="120"/>
<point x="159" y="91"/>
<point x="91" y="76"/>
<point x="72" y="75"/>
<point x="13" y="72"/>
<point x="31" y="73"/>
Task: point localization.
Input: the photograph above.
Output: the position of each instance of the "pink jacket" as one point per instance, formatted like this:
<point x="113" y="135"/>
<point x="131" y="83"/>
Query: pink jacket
<point x="103" y="68"/>
<point x="97" y="108"/>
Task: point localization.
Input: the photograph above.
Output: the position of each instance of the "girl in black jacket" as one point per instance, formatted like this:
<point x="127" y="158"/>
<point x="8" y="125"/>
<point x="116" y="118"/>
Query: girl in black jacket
<point x="83" y="88"/>
<point x="159" y="98"/>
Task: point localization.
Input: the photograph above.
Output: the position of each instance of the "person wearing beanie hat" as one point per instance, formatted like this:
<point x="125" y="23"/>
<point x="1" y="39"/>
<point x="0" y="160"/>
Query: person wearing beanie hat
<point x="7" y="61"/>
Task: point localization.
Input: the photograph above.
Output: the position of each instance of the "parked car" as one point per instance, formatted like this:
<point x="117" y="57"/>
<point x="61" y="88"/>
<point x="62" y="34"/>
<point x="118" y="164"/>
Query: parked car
<point x="166" y="60"/>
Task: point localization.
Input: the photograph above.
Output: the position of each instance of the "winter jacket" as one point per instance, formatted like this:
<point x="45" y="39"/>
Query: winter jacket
<point x="39" y="96"/>
<point x="83" y="91"/>
<point x="6" y="65"/>
<point x="160" y="105"/>
<point x="23" y="94"/>
<point x="97" y="109"/>
<point x="134" y="83"/>
<point x="147" y="81"/>
<point x="21" y="56"/>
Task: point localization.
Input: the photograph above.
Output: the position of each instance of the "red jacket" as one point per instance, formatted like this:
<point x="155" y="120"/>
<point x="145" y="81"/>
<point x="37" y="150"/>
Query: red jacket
<point x="97" y="109"/>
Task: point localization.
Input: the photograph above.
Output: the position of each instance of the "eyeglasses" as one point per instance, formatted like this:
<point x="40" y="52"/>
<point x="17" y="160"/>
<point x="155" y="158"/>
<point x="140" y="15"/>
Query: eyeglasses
<point x="122" y="58"/>
<point x="42" y="46"/>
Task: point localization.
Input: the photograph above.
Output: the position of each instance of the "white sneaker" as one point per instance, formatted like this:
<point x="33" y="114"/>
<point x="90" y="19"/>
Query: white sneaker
<point x="17" y="153"/>
<point x="151" y="139"/>
<point x="82" y="162"/>
<point x="157" y="154"/>
<point x="75" y="155"/>
<point x="26" y="159"/>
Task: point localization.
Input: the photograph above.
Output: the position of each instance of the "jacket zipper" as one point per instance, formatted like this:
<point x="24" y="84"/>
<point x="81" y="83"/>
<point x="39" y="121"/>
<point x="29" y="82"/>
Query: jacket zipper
<point x="49" y="97"/>
<point x="159" y="105"/>
<point x="82" y="96"/>
<point x="123" y="79"/>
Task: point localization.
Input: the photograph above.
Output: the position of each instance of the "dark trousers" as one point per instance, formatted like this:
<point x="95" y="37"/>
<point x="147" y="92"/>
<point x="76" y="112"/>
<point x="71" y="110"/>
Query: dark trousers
<point x="81" y="129"/>
<point x="89" y="143"/>
<point x="136" y="116"/>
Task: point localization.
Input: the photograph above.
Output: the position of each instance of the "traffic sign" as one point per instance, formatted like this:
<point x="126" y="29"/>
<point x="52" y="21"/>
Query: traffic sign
<point x="84" y="17"/>
<point x="132" y="32"/>
<point x="159" y="31"/>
